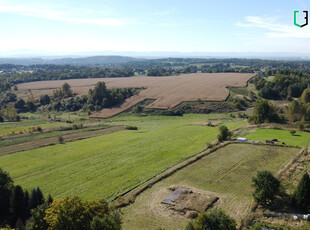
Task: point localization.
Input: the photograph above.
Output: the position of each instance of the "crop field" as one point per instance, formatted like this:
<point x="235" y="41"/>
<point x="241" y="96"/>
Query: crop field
<point x="225" y="173"/>
<point x="52" y="140"/>
<point x="109" y="165"/>
<point x="299" y="139"/>
<point x="167" y="92"/>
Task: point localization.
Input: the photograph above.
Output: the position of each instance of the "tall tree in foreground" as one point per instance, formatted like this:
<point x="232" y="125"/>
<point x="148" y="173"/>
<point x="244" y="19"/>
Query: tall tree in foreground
<point x="301" y="197"/>
<point x="37" y="221"/>
<point x="6" y="187"/>
<point x="213" y="220"/>
<point x="75" y="214"/>
<point x="266" y="187"/>
<point x="18" y="208"/>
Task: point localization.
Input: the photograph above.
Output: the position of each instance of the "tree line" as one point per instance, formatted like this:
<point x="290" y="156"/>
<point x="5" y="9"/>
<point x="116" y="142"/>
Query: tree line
<point x="287" y="84"/>
<point x="59" y="72"/>
<point x="17" y="203"/>
<point x="19" y="210"/>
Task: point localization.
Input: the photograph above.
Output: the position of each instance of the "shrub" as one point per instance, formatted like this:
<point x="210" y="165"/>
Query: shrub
<point x="292" y="132"/>
<point x="132" y="127"/>
<point x="215" y="219"/>
<point x="61" y="139"/>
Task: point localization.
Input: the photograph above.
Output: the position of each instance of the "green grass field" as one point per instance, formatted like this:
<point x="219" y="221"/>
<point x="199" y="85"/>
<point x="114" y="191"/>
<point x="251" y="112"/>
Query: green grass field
<point x="227" y="173"/>
<point x="106" y="166"/>
<point x="299" y="139"/>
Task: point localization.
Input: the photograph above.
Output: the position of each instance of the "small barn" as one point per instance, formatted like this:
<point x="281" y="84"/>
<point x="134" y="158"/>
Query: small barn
<point x="242" y="139"/>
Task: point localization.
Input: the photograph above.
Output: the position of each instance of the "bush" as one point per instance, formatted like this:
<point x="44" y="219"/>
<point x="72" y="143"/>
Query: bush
<point x="132" y="127"/>
<point x="215" y="219"/>
<point x="61" y="139"/>
<point x="75" y="126"/>
<point x="292" y="132"/>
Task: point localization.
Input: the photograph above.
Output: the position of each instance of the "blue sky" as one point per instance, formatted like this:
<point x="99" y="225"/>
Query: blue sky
<point x="153" y="25"/>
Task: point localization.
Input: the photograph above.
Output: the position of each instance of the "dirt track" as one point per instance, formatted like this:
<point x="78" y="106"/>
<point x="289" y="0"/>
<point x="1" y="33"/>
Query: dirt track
<point x="54" y="140"/>
<point x="166" y="91"/>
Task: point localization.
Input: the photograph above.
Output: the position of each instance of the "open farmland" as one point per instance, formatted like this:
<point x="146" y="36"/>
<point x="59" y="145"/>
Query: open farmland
<point x="167" y="92"/>
<point x="225" y="173"/>
<point x="109" y="165"/>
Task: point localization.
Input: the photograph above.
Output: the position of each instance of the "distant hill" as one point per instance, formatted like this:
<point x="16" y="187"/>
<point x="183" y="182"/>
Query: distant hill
<point x="96" y="60"/>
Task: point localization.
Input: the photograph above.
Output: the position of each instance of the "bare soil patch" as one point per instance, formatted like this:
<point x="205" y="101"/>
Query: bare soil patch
<point x="187" y="201"/>
<point x="167" y="92"/>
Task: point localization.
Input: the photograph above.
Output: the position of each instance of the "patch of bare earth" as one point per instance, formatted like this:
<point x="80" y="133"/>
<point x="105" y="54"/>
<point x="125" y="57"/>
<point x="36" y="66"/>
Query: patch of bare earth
<point x="167" y="92"/>
<point x="187" y="205"/>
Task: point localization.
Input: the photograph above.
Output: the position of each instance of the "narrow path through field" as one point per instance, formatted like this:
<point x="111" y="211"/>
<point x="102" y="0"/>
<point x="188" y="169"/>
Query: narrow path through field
<point x="55" y="140"/>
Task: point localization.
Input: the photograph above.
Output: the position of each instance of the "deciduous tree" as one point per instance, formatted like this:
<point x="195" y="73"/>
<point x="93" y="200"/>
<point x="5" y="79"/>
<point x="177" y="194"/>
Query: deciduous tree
<point x="213" y="220"/>
<point x="225" y="134"/>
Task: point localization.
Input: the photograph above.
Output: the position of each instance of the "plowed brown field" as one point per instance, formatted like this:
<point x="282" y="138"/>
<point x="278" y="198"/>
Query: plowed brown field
<point x="166" y="91"/>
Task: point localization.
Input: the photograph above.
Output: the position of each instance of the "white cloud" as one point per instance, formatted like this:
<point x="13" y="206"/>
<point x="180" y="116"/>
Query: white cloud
<point x="274" y="29"/>
<point x="58" y="14"/>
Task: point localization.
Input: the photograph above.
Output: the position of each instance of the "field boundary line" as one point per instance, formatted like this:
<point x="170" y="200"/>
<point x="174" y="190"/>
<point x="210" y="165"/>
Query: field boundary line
<point x="129" y="196"/>
<point x="24" y="146"/>
<point x="289" y="164"/>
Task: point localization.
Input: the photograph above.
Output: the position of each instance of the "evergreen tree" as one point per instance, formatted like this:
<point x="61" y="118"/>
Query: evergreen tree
<point x="33" y="199"/>
<point x="50" y="199"/>
<point x="302" y="193"/>
<point x="40" y="197"/>
<point x="18" y="204"/>
<point x="27" y="202"/>
<point x="6" y="187"/>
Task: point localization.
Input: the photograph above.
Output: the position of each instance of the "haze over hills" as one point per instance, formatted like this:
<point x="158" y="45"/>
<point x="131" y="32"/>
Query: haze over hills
<point x="28" y="57"/>
<point x="106" y="58"/>
<point x="94" y="60"/>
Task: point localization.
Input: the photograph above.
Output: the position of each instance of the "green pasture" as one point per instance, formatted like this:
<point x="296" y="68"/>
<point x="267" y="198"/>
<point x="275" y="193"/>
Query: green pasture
<point x="108" y="165"/>
<point x="299" y="139"/>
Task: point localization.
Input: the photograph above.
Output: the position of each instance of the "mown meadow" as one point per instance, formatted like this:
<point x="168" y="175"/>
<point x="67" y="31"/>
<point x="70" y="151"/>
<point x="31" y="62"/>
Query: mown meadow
<point x="225" y="173"/>
<point x="109" y="165"/>
<point x="298" y="139"/>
